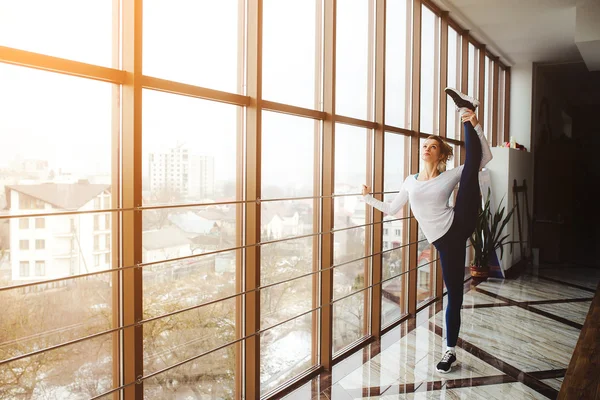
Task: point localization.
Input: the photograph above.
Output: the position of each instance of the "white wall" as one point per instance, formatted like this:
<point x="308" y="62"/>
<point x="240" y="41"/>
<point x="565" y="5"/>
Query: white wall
<point x="521" y="89"/>
<point x="506" y="166"/>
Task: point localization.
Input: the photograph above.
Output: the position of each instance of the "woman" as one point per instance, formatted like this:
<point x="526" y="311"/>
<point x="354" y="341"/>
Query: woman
<point x="446" y="227"/>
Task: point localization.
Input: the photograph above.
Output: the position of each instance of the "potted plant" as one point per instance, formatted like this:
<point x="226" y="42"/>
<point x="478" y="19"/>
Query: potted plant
<point x="487" y="237"/>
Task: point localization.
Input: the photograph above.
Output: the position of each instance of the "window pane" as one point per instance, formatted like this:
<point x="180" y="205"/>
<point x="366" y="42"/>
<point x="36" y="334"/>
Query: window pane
<point x="426" y="251"/>
<point x="46" y="315"/>
<point x="24" y="269"/>
<point x="289" y="52"/>
<point x="349" y="211"/>
<point x="393" y="301"/>
<point x="73" y="29"/>
<point x="354" y="97"/>
<point x="64" y="169"/>
<point x="454" y="161"/>
<point x="501" y="101"/>
<point x="176" y="338"/>
<point x="426" y="254"/>
<point x="351" y="149"/>
<point x="349" y="278"/>
<point x="425" y="282"/>
<point x="397" y="64"/>
<point x="285" y="351"/>
<point x="179" y="232"/>
<point x="348" y="321"/>
<point x="395" y="233"/>
<point x="396" y="161"/>
<point x="348" y="245"/>
<point x="394" y="264"/>
<point x="286" y="219"/>
<point x="189" y="149"/>
<point x="40" y="268"/>
<point x="174" y="285"/>
<point x="285" y="260"/>
<point x="195" y="42"/>
<point x="285" y="300"/>
<point x="211" y="376"/>
<point x="490" y="103"/>
<point x="421" y="162"/>
<point x="430" y="72"/>
<point x="473" y="84"/>
<point x="454" y="81"/>
<point x="288" y="155"/>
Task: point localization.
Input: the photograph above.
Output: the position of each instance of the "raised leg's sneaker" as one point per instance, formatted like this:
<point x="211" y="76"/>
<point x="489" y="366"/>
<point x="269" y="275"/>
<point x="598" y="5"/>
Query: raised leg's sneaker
<point x="462" y="100"/>
<point x="446" y="363"/>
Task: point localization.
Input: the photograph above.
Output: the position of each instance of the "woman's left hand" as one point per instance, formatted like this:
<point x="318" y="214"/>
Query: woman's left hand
<point x="471" y="117"/>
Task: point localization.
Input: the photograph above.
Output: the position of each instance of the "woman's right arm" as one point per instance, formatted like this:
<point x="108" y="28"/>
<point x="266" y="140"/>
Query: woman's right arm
<point x="389" y="208"/>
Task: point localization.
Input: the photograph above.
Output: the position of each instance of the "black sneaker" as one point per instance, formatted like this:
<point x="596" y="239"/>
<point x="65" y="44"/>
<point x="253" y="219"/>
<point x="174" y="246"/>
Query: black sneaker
<point x="446" y="363"/>
<point x="462" y="100"/>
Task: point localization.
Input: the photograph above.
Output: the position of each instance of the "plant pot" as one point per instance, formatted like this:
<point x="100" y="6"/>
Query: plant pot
<point x="479" y="274"/>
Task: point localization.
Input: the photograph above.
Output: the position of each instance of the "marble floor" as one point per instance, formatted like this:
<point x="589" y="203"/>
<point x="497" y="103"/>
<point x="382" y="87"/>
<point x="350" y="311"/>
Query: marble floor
<point x="516" y="341"/>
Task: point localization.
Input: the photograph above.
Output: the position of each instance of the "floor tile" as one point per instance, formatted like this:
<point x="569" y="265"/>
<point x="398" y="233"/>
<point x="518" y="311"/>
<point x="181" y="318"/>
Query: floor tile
<point x="555" y="383"/>
<point x="528" y="288"/>
<point x="575" y="312"/>
<point x="475" y="298"/>
<point x="523" y="339"/>
<point x="586" y="277"/>
<point x="413" y="361"/>
<point x="512" y="391"/>
<point x="404" y="364"/>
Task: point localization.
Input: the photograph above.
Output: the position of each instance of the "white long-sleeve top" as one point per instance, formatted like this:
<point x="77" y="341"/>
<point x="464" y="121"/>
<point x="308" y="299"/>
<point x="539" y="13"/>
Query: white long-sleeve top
<point x="429" y="200"/>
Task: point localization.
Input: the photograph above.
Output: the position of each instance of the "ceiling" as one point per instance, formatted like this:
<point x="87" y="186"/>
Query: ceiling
<point x="520" y="31"/>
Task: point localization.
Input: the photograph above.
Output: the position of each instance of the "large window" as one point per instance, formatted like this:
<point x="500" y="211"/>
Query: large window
<point x="349" y="246"/>
<point x="354" y="61"/>
<point x="395" y="231"/>
<point x="181" y="212"/>
<point x="60" y="153"/>
<point x="489" y="98"/>
<point x="398" y="63"/>
<point x="49" y="30"/>
<point x="473" y="71"/>
<point x="288" y="327"/>
<point x="291" y="68"/>
<point x="501" y="105"/>
<point x="453" y="123"/>
<point x="200" y="45"/>
<point x="430" y="71"/>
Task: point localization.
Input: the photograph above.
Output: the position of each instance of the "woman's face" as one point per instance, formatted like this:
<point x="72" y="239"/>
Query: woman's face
<point x="430" y="152"/>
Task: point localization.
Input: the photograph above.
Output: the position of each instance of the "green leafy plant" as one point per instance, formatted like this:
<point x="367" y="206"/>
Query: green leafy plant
<point x="487" y="236"/>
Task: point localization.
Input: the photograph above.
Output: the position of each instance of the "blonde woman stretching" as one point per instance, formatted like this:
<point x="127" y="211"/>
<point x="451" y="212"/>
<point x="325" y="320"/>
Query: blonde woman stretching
<point x="447" y="228"/>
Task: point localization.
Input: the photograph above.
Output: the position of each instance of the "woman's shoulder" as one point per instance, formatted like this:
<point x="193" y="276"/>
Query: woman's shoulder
<point x="411" y="178"/>
<point x="454" y="171"/>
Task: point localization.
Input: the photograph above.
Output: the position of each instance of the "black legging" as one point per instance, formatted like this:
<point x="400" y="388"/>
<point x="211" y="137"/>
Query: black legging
<point x="452" y="246"/>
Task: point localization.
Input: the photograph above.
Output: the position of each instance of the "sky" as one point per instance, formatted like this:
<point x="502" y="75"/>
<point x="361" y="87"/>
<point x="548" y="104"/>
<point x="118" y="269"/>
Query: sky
<point x="67" y="120"/>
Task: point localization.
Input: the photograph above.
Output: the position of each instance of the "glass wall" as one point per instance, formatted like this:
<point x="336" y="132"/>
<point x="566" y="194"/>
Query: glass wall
<point x="177" y="228"/>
